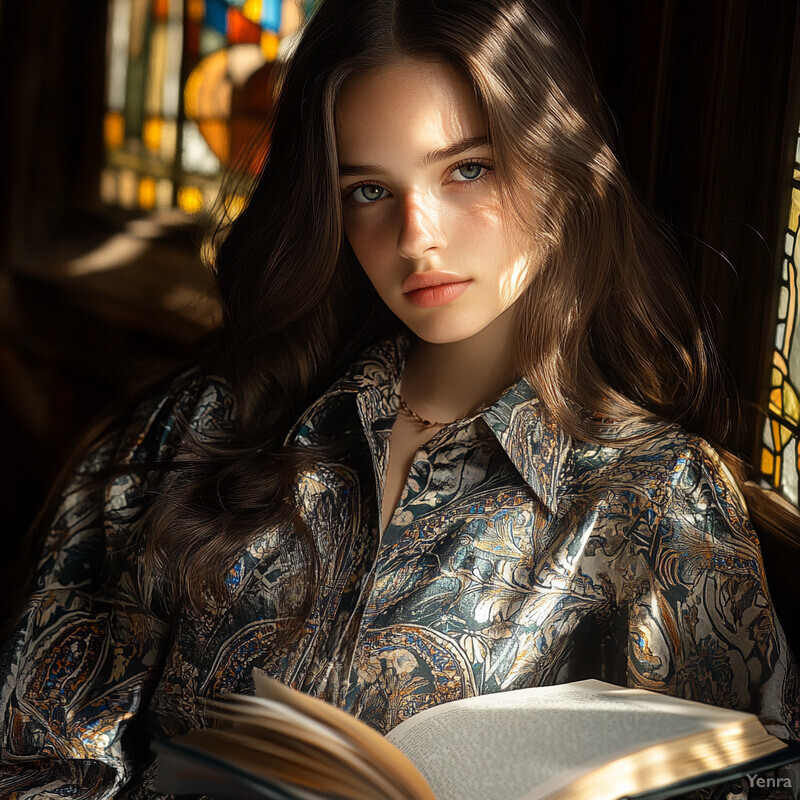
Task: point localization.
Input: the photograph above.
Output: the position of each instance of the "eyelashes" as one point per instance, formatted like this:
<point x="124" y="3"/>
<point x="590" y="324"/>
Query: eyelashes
<point x="368" y="193"/>
<point x="487" y="168"/>
<point x="361" y="189"/>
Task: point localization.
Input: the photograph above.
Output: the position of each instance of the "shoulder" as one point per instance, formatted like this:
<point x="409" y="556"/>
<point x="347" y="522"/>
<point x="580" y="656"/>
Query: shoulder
<point x="146" y="425"/>
<point x="661" y="467"/>
<point x="153" y="422"/>
<point x="676" y="482"/>
<point x="105" y="486"/>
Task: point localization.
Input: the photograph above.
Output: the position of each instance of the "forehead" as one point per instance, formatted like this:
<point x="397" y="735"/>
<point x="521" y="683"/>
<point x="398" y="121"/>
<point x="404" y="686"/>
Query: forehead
<point x="405" y="107"/>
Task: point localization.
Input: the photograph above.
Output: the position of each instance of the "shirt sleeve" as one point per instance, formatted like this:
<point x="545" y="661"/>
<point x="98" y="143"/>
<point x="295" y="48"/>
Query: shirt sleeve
<point x="81" y="662"/>
<point x="702" y="625"/>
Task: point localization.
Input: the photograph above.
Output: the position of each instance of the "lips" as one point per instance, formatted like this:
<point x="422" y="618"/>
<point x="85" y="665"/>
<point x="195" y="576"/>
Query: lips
<point x="425" y="280"/>
<point x="434" y="288"/>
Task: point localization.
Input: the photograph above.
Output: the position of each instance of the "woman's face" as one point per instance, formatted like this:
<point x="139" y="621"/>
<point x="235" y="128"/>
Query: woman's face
<point x="420" y="202"/>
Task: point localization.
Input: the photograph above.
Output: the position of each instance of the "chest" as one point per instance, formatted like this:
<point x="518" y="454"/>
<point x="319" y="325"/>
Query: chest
<point x="470" y="588"/>
<point x="405" y="441"/>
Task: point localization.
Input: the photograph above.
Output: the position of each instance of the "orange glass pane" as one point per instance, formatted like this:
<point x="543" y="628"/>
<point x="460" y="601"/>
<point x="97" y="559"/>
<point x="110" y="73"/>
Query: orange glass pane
<point x="269" y="45"/>
<point x="160" y="9"/>
<point x="152" y="131"/>
<point x="776" y="401"/>
<point x="114" y="130"/>
<point x="767" y="462"/>
<point x="217" y="133"/>
<point x="195" y="10"/>
<point x="147" y="193"/>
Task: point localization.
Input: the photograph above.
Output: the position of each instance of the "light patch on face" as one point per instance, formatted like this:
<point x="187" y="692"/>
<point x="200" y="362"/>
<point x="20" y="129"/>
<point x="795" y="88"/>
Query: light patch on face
<point x="419" y="199"/>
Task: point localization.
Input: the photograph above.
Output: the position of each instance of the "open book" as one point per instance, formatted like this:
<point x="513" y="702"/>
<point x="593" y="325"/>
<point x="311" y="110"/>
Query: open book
<point x="587" y="739"/>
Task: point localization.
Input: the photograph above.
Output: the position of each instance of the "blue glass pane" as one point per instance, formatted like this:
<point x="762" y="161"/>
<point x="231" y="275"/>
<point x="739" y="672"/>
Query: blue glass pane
<point x="217" y="15"/>
<point x="271" y="15"/>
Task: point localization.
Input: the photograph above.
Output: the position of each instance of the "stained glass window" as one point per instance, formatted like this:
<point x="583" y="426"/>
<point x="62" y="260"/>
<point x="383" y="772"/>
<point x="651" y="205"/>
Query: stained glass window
<point x="188" y="83"/>
<point x="779" y="457"/>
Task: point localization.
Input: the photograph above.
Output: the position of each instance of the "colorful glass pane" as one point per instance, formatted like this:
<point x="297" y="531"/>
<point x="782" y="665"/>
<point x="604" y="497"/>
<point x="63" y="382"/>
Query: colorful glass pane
<point x="779" y="456"/>
<point x="271" y="15"/>
<point x="188" y="84"/>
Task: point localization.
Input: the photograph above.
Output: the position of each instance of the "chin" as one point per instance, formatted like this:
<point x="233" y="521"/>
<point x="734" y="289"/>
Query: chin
<point x="443" y="331"/>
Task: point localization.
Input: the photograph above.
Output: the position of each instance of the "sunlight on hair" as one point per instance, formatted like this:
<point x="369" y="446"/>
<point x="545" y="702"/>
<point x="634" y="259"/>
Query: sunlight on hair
<point x="513" y="284"/>
<point x="234" y="204"/>
<point x="517" y="17"/>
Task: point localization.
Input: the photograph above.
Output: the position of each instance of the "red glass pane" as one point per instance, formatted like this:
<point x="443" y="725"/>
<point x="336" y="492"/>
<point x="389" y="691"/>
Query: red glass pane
<point x="242" y="30"/>
<point x="160" y="9"/>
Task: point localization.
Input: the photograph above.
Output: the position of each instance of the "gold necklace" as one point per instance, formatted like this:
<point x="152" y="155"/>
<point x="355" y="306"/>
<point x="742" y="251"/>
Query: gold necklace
<point x="426" y="423"/>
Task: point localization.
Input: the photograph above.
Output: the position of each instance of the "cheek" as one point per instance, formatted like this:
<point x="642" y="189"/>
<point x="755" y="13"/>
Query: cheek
<point x="504" y="260"/>
<point x="481" y="224"/>
<point x="370" y="243"/>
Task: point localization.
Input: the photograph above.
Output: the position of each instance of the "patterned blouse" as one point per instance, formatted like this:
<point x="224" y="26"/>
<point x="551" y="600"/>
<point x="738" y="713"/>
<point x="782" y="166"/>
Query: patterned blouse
<point x="516" y="557"/>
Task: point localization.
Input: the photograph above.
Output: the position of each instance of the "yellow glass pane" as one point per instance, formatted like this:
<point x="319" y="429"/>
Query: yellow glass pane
<point x="794" y="213"/>
<point x="779" y="435"/>
<point x="791" y="406"/>
<point x="252" y="10"/>
<point x="114" y="130"/>
<point x="190" y="199"/>
<point x="767" y="462"/>
<point x="269" y="45"/>
<point x="151" y="133"/>
<point x="147" y="193"/>
<point x="191" y="94"/>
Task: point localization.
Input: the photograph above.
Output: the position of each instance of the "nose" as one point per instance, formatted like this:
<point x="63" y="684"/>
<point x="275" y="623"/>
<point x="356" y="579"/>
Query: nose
<point x="421" y="227"/>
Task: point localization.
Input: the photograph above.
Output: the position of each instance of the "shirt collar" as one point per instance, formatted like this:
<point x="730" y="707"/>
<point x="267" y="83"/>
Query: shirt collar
<point x="533" y="441"/>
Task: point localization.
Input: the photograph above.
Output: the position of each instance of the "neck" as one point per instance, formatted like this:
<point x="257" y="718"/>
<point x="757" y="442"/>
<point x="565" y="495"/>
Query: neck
<point x="451" y="380"/>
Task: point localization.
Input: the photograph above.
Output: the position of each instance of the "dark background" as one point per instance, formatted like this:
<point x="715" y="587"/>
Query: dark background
<point x="707" y="101"/>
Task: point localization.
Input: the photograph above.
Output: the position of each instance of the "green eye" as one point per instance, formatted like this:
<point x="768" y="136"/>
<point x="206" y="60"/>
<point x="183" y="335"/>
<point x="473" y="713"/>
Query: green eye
<point x="470" y="171"/>
<point x="368" y="193"/>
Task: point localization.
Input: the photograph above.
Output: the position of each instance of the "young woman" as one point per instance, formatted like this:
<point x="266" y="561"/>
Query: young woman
<point x="455" y="439"/>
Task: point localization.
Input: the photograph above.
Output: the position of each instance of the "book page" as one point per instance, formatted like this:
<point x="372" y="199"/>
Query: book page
<point x="504" y="745"/>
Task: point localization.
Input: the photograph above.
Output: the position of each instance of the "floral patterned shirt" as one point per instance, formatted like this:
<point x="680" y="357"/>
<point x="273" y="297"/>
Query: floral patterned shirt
<point x="516" y="557"/>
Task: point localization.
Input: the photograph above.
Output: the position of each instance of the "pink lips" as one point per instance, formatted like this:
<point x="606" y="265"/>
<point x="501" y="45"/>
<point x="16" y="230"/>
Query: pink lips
<point x="429" y="289"/>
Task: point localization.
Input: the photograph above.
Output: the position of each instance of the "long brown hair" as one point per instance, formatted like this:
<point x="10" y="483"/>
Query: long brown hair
<point x="606" y="329"/>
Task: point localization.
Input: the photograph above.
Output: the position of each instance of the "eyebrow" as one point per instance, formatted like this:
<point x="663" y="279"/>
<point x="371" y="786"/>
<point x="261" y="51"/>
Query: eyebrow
<point x="441" y="154"/>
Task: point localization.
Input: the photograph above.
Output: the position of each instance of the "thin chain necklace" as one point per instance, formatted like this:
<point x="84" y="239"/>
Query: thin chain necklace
<point x="427" y="423"/>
